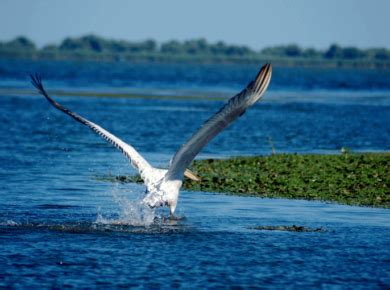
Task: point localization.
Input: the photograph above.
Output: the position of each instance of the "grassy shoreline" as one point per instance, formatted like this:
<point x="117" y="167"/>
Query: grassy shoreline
<point x="354" y="179"/>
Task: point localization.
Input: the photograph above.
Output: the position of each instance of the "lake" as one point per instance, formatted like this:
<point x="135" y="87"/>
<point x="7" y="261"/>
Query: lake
<point x="62" y="226"/>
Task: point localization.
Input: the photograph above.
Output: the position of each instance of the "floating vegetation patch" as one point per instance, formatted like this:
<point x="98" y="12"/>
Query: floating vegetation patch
<point x="354" y="179"/>
<point x="292" y="228"/>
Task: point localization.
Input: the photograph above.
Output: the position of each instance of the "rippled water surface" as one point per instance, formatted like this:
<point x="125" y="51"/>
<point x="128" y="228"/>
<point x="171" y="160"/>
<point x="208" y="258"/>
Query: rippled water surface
<point x="61" y="225"/>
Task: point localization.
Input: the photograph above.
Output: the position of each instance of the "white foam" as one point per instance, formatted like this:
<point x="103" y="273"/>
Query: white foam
<point x="9" y="223"/>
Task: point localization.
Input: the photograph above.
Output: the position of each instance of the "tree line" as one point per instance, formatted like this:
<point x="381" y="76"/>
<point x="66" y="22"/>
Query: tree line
<point x="94" y="45"/>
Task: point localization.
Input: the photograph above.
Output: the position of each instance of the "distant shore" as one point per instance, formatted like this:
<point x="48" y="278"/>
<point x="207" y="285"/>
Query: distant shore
<point x="96" y="48"/>
<point x="200" y="59"/>
<point x="352" y="178"/>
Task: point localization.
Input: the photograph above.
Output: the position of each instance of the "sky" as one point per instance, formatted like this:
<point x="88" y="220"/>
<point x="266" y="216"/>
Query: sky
<point x="258" y="24"/>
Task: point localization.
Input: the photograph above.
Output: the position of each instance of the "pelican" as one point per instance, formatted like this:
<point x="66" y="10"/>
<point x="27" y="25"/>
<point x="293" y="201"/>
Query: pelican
<point x="163" y="185"/>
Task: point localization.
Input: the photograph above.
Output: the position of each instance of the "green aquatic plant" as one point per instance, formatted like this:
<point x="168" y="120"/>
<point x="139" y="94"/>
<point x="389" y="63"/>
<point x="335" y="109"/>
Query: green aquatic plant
<point x="356" y="179"/>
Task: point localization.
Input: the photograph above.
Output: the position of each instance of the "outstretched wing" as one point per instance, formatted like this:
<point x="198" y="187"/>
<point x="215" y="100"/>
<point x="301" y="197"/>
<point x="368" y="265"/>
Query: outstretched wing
<point x="235" y="107"/>
<point x="134" y="157"/>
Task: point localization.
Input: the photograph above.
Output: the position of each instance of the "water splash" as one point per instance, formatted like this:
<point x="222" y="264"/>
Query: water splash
<point x="131" y="212"/>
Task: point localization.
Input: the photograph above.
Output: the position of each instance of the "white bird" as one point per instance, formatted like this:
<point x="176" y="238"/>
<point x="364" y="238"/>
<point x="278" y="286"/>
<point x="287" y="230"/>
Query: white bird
<point x="162" y="185"/>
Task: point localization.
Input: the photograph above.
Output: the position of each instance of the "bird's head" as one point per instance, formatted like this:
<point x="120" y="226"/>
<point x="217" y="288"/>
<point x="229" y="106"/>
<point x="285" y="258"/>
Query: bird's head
<point x="172" y="207"/>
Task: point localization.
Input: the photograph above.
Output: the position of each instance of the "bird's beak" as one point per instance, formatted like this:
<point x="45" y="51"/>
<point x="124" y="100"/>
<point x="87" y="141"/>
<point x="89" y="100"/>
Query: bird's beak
<point x="189" y="174"/>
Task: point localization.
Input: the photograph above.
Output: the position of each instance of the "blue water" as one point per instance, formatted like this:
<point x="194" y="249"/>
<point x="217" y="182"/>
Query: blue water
<point x="61" y="225"/>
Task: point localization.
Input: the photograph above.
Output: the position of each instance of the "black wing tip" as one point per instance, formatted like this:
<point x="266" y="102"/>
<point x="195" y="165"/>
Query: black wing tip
<point x="36" y="81"/>
<point x="265" y="69"/>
